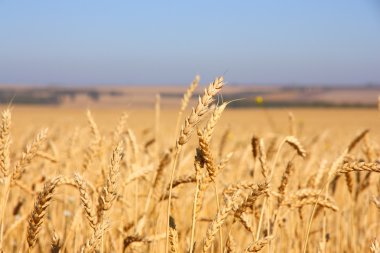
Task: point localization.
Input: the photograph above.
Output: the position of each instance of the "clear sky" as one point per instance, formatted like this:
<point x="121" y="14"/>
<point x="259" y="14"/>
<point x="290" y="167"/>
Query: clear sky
<point x="168" y="42"/>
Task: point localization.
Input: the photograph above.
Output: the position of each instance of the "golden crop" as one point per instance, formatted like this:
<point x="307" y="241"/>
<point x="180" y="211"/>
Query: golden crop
<point x="209" y="179"/>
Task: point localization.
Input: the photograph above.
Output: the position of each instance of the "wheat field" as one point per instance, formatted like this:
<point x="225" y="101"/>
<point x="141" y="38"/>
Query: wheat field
<point x="200" y="178"/>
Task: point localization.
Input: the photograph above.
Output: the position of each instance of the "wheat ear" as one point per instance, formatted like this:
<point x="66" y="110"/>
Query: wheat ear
<point x="359" y="166"/>
<point x="199" y="111"/>
<point x="36" y="217"/>
<point x="210" y="127"/>
<point x="186" y="179"/>
<point x="230" y="245"/>
<point x="263" y="160"/>
<point x="220" y="218"/>
<point x="292" y="142"/>
<point x="296" y="144"/>
<point x="105" y="200"/>
<point x="120" y="127"/>
<point x="205" y="138"/>
<point x="5" y="141"/>
<point x="159" y="178"/>
<point x="322" y="202"/>
<point x="138" y="238"/>
<point x="29" y="154"/>
<point x="255" y="146"/>
<point x="207" y="156"/>
<point x="55" y="243"/>
<point x="186" y="98"/>
<point x="375" y="247"/>
<point x="356" y="140"/>
<point x="285" y="180"/>
<point x="292" y="125"/>
<point x="189" y="92"/>
<point x="223" y="141"/>
<point x="93" y="242"/>
<point x="109" y="191"/>
<point x="86" y="200"/>
<point x="133" y="143"/>
<point x="259" y="244"/>
<point x="173" y="237"/>
<point x="251" y="198"/>
<point x="95" y="144"/>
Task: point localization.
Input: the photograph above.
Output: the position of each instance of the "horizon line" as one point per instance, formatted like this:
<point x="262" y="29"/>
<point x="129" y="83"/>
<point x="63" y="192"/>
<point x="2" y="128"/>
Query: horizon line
<point x="229" y="83"/>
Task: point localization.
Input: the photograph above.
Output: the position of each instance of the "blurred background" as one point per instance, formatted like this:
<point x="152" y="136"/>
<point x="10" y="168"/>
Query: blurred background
<point x="121" y="53"/>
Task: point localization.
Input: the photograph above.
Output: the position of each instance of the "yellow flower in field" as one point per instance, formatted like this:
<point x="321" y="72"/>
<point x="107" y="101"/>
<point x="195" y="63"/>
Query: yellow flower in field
<point x="259" y="100"/>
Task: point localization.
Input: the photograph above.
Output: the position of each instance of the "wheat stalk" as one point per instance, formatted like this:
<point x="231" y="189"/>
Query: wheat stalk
<point x="198" y="196"/>
<point x="191" y="121"/>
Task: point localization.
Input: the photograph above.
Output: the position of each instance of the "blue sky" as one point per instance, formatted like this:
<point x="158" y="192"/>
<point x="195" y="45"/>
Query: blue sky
<point x="168" y="42"/>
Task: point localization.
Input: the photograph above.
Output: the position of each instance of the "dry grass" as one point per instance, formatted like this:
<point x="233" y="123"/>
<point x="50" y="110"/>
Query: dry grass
<point x="115" y="182"/>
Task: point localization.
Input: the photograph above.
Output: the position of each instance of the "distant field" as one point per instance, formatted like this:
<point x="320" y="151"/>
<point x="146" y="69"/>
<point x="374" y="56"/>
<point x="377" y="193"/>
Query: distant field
<point x="337" y="121"/>
<point x="143" y="97"/>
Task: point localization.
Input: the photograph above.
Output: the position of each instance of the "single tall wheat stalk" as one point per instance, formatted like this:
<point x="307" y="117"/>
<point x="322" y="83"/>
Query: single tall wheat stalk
<point x="186" y="131"/>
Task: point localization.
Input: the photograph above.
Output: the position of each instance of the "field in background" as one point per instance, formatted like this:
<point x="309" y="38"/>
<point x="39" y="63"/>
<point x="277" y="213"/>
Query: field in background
<point x="346" y="218"/>
<point x="242" y="122"/>
<point x="335" y="121"/>
<point x="144" y="96"/>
